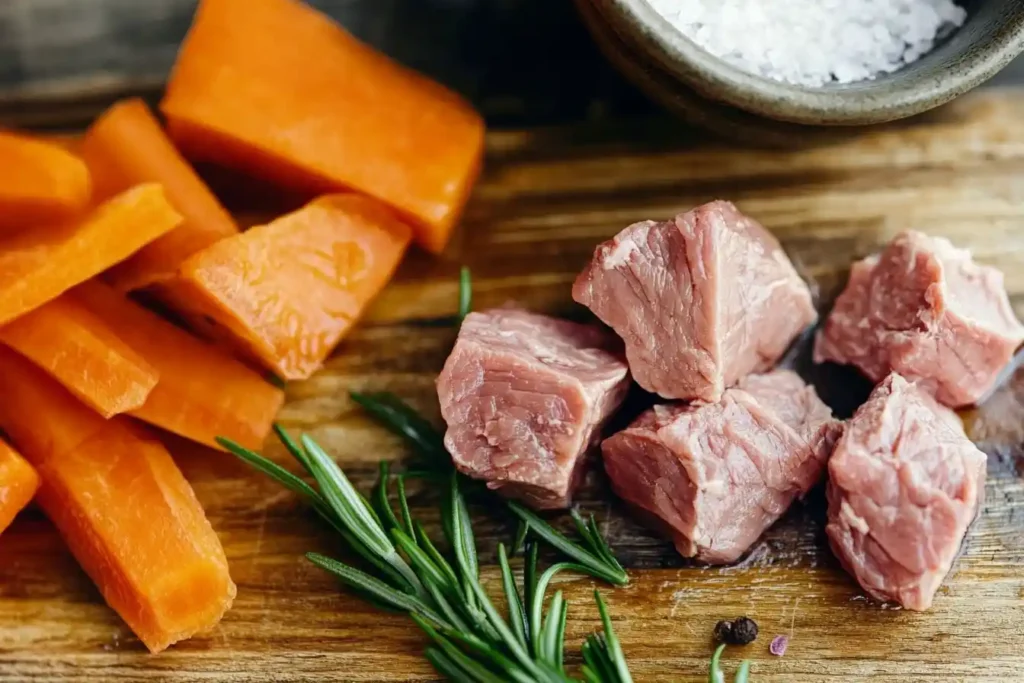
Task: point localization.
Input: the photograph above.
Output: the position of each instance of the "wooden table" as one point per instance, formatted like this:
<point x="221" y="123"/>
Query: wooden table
<point x="548" y="195"/>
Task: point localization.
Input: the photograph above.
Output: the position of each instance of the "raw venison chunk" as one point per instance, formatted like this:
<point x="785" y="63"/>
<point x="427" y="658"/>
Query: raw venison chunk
<point x="701" y="300"/>
<point x="904" y="485"/>
<point x="924" y="309"/>
<point x="716" y="475"/>
<point x="524" y="396"/>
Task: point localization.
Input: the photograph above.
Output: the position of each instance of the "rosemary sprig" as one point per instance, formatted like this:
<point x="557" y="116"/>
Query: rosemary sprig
<point x="472" y="640"/>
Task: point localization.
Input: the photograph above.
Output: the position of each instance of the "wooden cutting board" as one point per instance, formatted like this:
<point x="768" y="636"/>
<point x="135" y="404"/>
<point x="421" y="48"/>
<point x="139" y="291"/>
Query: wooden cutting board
<point x="547" y="197"/>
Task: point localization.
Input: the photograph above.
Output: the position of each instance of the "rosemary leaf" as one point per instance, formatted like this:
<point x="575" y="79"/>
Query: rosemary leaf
<point x="424" y="566"/>
<point x="549" y="632"/>
<point x="380" y="498"/>
<point x="465" y="293"/>
<point x="377" y="588"/>
<point x="560" y="637"/>
<point x="293" y="448"/>
<point x="446" y="667"/>
<point x="591" y="564"/>
<point x="274" y="471"/>
<point x="515" y="606"/>
<point x="403" y="420"/>
<point x="403" y="505"/>
<point x="743" y="673"/>
<point x="597" y="665"/>
<point x="522" y="529"/>
<point x="715" y="674"/>
<point x="478" y="671"/>
<point x="612" y="642"/>
<point x="355" y="513"/>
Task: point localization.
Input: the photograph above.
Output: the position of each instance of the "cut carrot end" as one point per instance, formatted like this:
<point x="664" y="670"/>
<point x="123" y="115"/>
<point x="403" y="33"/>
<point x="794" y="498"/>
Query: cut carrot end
<point x="18" y="484"/>
<point x="125" y="147"/>
<point x="286" y="292"/>
<point x="39" y="266"/>
<point x="203" y="393"/>
<point x="123" y="507"/>
<point x="278" y="89"/>
<point x="79" y="350"/>
<point x="43" y="183"/>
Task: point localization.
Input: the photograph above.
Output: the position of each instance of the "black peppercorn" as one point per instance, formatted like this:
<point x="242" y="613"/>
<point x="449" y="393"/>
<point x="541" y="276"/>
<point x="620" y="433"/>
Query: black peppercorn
<point x="742" y="631"/>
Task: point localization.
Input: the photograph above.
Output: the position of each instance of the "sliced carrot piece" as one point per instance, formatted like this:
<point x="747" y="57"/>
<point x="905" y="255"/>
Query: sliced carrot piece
<point x="287" y="291"/>
<point x="38" y="266"/>
<point x="123" y="507"/>
<point x="79" y="350"/>
<point x="276" y="88"/>
<point x="203" y="393"/>
<point x="18" y="483"/>
<point x="42" y="182"/>
<point x="126" y="146"/>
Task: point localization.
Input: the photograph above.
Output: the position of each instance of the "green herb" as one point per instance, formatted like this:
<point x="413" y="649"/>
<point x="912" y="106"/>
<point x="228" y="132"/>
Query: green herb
<point x="716" y="675"/>
<point x="465" y="293"/>
<point x="443" y="594"/>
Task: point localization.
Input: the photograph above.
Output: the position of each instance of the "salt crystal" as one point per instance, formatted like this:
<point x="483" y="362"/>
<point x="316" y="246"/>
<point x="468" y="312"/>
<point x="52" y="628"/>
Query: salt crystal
<point x="815" y="42"/>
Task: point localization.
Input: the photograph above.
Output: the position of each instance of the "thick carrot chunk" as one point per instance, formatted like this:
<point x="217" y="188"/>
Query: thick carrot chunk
<point x="18" y="483"/>
<point x="203" y="393"/>
<point x="278" y="89"/>
<point x="126" y="512"/>
<point x="42" y="182"/>
<point x="38" y="266"/>
<point x="125" y="147"/>
<point x="287" y="291"/>
<point x="79" y="350"/>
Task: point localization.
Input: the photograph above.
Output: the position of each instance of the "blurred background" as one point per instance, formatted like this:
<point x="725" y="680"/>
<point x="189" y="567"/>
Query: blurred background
<point x="520" y="61"/>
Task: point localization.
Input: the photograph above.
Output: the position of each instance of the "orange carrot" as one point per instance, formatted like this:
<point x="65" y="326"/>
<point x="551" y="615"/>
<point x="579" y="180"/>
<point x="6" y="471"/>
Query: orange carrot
<point x="38" y="266"/>
<point x="39" y="182"/>
<point x="18" y="483"/>
<point x="79" y="350"/>
<point x="126" y="512"/>
<point x="203" y="393"/>
<point x="287" y="291"/>
<point x="279" y="89"/>
<point x="126" y="146"/>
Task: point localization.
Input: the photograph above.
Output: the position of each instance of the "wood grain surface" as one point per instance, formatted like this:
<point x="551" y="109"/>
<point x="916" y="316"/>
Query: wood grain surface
<point x="546" y="198"/>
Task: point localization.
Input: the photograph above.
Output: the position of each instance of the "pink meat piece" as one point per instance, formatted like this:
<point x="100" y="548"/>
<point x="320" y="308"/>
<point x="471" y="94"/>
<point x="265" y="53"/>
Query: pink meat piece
<point x="524" y="396"/>
<point x="924" y="309"/>
<point x="904" y="485"/>
<point x="714" y="476"/>
<point x="700" y="300"/>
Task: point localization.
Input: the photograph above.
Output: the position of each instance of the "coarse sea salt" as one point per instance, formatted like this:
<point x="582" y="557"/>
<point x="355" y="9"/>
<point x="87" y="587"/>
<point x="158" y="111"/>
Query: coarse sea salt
<point x="814" y="42"/>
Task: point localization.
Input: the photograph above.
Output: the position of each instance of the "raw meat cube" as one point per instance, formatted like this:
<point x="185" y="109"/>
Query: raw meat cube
<point x="716" y="475"/>
<point x="924" y="309"/>
<point x="525" y="396"/>
<point x="904" y="485"/>
<point x="700" y="300"/>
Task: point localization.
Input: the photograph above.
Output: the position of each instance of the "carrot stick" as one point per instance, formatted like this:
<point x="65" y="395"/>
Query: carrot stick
<point x="39" y="182"/>
<point x="126" y="512"/>
<point x="278" y="89"/>
<point x="203" y="393"/>
<point x="286" y="292"/>
<point x="79" y="350"/>
<point x="38" y="266"/>
<point x="18" y="483"/>
<point x="126" y="146"/>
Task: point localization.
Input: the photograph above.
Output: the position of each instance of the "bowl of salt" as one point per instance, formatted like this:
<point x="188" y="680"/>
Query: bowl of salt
<point x="779" y="71"/>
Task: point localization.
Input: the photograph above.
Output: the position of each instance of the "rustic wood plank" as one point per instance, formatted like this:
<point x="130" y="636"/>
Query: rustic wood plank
<point x="546" y="198"/>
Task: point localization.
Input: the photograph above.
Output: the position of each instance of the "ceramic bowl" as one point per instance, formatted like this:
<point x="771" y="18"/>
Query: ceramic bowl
<point x="708" y="91"/>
